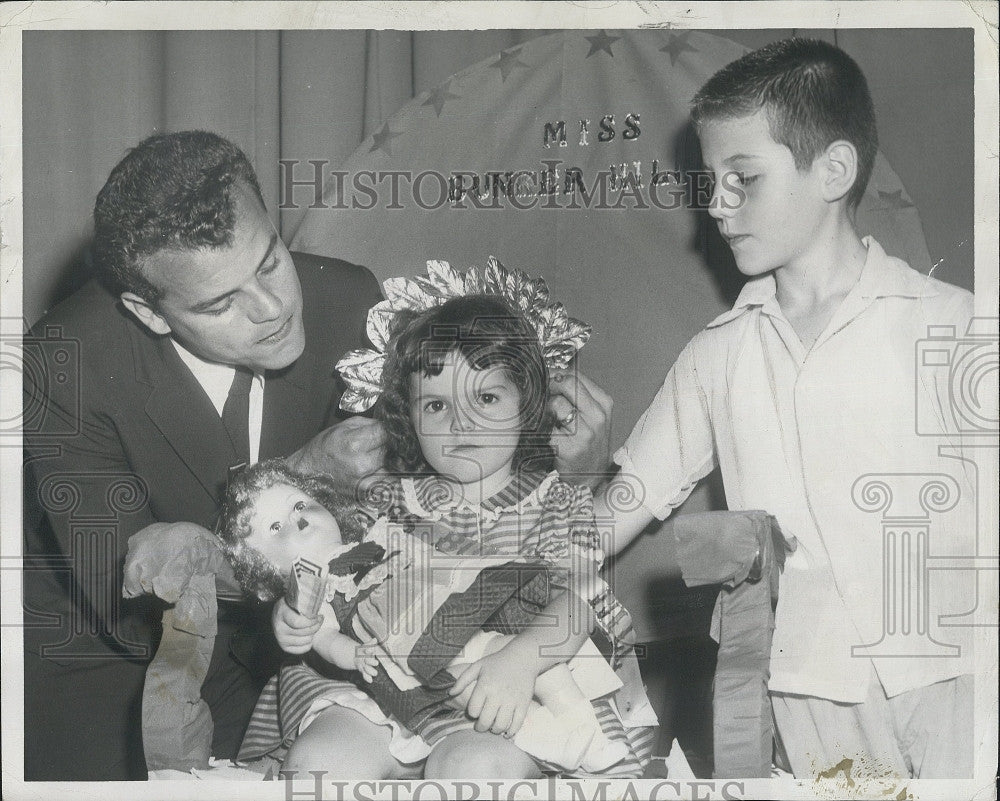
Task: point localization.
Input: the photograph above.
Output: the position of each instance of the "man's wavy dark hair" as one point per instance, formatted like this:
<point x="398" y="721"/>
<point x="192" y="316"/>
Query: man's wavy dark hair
<point x="255" y="574"/>
<point x="486" y="332"/>
<point x="813" y="94"/>
<point x="171" y="192"/>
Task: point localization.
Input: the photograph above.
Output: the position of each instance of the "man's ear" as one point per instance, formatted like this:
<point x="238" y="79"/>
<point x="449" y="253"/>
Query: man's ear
<point x="145" y="313"/>
<point x="840" y="169"/>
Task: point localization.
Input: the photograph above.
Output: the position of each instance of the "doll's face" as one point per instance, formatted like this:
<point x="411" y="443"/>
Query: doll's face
<point x="286" y="524"/>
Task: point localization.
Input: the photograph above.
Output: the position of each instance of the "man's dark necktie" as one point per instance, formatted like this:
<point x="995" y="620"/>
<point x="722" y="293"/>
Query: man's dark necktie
<point x="236" y="413"/>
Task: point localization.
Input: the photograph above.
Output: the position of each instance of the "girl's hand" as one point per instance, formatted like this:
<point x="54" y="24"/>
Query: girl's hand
<point x="504" y="686"/>
<point x="294" y="632"/>
<point x="365" y="661"/>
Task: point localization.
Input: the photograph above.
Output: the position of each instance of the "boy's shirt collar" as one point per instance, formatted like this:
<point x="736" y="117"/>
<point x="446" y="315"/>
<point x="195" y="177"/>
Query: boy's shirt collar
<point x="881" y="276"/>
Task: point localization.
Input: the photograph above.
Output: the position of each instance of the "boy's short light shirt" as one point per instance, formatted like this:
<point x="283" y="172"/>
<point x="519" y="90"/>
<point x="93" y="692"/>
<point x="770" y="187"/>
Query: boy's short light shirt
<point x="801" y="435"/>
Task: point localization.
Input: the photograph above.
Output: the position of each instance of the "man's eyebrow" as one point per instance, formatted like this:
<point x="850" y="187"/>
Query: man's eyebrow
<point x="207" y="304"/>
<point x="740" y="157"/>
<point x="270" y="249"/>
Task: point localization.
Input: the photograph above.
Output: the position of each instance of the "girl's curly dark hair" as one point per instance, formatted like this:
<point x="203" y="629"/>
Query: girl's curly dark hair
<point x="487" y="332"/>
<point x="257" y="576"/>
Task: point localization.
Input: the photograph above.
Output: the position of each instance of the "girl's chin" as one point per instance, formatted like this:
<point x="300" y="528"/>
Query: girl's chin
<point x="752" y="268"/>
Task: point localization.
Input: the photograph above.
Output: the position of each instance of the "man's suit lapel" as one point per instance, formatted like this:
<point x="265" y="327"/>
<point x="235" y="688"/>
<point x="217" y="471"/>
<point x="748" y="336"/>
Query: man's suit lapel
<point x="180" y="409"/>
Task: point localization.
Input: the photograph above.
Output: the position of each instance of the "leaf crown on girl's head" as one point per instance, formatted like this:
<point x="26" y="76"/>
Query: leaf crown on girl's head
<point x="559" y="335"/>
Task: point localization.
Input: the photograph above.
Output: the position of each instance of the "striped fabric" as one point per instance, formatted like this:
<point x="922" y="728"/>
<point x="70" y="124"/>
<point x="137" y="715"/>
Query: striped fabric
<point x="616" y="622"/>
<point x="287" y="699"/>
<point x="283" y="703"/>
<point x="535" y="515"/>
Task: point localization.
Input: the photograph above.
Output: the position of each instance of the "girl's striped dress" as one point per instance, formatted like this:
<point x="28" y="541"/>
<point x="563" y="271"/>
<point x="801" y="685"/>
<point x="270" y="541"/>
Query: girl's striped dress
<point x="536" y="514"/>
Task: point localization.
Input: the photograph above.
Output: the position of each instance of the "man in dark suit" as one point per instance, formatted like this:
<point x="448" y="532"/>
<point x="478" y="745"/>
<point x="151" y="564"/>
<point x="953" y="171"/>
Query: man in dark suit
<point x="206" y="344"/>
<point x="128" y="431"/>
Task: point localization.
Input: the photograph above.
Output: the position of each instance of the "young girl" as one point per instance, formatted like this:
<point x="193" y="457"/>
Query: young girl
<point x="464" y="405"/>
<point x="281" y="530"/>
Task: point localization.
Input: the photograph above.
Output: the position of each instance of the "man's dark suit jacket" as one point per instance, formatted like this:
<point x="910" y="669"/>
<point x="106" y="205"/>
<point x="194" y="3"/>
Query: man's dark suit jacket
<point x="119" y="434"/>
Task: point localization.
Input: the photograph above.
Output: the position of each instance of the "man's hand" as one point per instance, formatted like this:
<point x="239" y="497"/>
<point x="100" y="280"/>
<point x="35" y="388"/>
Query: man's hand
<point x="503" y="685"/>
<point x="349" y="451"/>
<point x="581" y="437"/>
<point x="294" y="632"/>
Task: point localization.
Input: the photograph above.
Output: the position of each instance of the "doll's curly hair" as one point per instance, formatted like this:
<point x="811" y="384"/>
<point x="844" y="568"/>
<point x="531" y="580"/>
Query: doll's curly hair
<point x="487" y="332"/>
<point x="257" y="576"/>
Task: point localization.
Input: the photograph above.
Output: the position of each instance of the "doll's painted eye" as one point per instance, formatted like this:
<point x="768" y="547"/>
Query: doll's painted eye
<point x="299" y="506"/>
<point x="275" y="527"/>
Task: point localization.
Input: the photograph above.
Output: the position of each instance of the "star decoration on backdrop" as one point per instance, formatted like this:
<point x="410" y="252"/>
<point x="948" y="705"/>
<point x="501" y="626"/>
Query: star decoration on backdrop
<point x="601" y="42"/>
<point x="382" y="138"/>
<point x="439" y="96"/>
<point x="678" y="43"/>
<point x="507" y="62"/>
<point x="894" y="201"/>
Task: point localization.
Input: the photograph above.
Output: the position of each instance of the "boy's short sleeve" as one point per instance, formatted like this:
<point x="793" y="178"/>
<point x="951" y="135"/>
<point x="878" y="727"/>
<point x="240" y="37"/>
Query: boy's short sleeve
<point x="671" y="447"/>
<point x="953" y="310"/>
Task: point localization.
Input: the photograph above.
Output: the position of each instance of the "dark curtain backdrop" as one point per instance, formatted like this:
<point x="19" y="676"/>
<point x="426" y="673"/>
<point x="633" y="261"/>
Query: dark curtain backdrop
<point x="90" y="95"/>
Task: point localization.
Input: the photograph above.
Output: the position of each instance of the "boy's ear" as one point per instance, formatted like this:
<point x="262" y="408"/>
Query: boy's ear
<point x="145" y="313"/>
<point x="840" y="169"/>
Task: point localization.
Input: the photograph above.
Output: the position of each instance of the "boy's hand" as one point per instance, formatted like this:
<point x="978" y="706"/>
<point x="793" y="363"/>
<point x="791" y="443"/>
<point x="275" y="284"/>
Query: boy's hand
<point x="365" y="661"/>
<point x="582" y="433"/>
<point x="504" y="684"/>
<point x="294" y="632"/>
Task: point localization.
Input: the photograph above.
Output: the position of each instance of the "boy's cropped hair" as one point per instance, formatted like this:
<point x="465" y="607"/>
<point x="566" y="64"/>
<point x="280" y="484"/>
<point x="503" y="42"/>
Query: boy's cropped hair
<point x="813" y="94"/>
<point x="170" y="192"/>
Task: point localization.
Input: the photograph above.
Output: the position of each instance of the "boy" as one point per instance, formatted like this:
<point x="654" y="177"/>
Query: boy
<point x="803" y="394"/>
